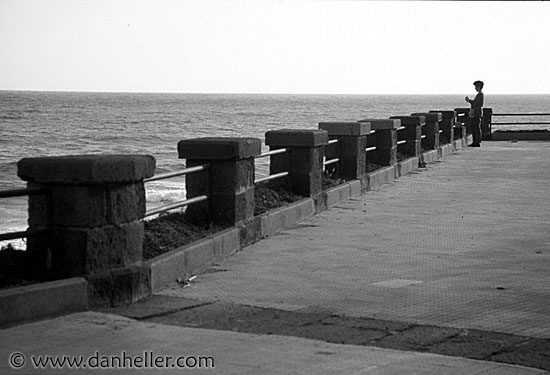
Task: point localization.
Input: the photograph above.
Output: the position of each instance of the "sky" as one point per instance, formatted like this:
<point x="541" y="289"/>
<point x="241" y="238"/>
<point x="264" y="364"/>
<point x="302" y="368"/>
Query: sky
<point x="298" y="46"/>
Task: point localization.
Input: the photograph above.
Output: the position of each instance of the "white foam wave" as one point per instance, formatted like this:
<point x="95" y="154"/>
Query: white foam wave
<point x="165" y="193"/>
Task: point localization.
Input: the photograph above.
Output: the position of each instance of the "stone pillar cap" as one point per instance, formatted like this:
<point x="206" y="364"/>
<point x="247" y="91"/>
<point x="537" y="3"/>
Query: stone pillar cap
<point x="445" y="113"/>
<point x="296" y="137"/>
<point x="411" y="120"/>
<point x="86" y="169"/>
<point x="430" y="116"/>
<point x="383" y="123"/>
<point x="219" y="148"/>
<point x="346" y="128"/>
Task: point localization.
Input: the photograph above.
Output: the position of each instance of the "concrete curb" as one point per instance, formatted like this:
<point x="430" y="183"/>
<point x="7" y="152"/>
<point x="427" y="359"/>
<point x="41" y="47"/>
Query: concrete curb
<point x="406" y="166"/>
<point x="380" y="177"/>
<point x="343" y="192"/>
<point x="43" y="300"/>
<point x="446" y="150"/>
<point x="186" y="260"/>
<point x="520" y="136"/>
<point x="273" y="221"/>
<point x="195" y="257"/>
<point x="431" y="156"/>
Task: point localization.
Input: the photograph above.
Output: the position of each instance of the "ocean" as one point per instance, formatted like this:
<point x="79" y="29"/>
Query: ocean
<point x="34" y="124"/>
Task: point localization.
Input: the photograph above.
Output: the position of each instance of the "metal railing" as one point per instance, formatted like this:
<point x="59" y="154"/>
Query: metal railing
<point x="519" y="122"/>
<point x="520" y="115"/>
<point x="403" y="141"/>
<point x="10" y="193"/>
<point x="275" y="175"/>
<point x="334" y="160"/>
<point x="164" y="176"/>
<point x="373" y="148"/>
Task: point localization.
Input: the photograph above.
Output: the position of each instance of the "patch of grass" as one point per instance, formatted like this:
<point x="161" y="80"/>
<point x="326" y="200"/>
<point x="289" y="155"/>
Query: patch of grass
<point x="401" y="157"/>
<point x="371" y="167"/>
<point x="330" y="180"/>
<point x="170" y="231"/>
<point x="273" y="194"/>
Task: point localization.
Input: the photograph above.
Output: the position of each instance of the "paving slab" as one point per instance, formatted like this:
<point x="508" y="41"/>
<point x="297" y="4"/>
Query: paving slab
<point x="462" y="244"/>
<point x="101" y="335"/>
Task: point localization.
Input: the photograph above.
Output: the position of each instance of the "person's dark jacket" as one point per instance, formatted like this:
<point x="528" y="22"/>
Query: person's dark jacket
<point x="477" y="104"/>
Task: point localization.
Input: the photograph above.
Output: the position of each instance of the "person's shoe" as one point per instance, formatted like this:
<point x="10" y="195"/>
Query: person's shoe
<point x="474" y="145"/>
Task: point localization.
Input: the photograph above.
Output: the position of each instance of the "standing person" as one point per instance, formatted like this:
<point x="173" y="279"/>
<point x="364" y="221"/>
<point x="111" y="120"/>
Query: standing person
<point x="476" y="113"/>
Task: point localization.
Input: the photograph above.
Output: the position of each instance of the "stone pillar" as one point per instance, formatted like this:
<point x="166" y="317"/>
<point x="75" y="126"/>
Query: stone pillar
<point x="413" y="133"/>
<point x="463" y="124"/>
<point x="352" y="142"/>
<point x="228" y="183"/>
<point x="93" y="211"/>
<point x="386" y="139"/>
<point x="463" y="117"/>
<point x="486" y="122"/>
<point x="431" y="129"/>
<point x="447" y="124"/>
<point x="304" y="159"/>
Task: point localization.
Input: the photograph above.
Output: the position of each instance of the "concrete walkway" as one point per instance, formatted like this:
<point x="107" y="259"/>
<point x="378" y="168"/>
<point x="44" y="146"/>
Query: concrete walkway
<point x="465" y="243"/>
<point x="462" y="244"/>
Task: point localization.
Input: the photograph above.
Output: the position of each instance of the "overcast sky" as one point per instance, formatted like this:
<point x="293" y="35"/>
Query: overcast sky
<point x="348" y="47"/>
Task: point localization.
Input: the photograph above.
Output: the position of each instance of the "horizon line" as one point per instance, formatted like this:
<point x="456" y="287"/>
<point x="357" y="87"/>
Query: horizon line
<point x="245" y="93"/>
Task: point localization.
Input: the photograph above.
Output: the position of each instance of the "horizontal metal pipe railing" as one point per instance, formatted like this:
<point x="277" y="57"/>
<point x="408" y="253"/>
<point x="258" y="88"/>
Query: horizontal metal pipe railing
<point x="401" y="128"/>
<point x="275" y="175"/>
<point x="521" y="114"/>
<point x="401" y="142"/>
<point x="331" y="161"/>
<point x="24" y="234"/>
<point x="332" y="141"/>
<point x="423" y="136"/>
<point x="172" y="206"/>
<point x="182" y="172"/>
<point x="271" y="177"/>
<point x="272" y="152"/>
<point x="10" y="193"/>
<point x="369" y="149"/>
<point x="521" y="123"/>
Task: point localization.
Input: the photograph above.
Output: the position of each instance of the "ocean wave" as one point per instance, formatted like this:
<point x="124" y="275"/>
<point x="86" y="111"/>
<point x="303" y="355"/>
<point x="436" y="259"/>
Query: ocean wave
<point x="8" y="169"/>
<point x="161" y="194"/>
<point x="8" y="117"/>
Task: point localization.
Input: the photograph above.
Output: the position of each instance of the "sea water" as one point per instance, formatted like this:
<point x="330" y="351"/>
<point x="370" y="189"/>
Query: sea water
<point x="34" y="124"/>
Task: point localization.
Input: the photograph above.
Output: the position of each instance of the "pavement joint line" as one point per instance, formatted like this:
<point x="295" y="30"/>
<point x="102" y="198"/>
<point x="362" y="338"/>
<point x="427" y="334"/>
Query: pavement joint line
<point x="174" y="311"/>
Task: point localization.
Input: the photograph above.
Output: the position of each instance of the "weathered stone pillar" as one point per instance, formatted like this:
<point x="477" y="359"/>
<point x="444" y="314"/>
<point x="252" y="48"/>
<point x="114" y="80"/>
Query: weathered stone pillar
<point x="413" y="133"/>
<point x="228" y="183"/>
<point x="486" y="121"/>
<point x="463" y="125"/>
<point x="431" y="129"/>
<point x="386" y="139"/>
<point x="304" y="159"/>
<point x="352" y="142"/>
<point x="93" y="211"/>
<point x="463" y="118"/>
<point x="447" y="125"/>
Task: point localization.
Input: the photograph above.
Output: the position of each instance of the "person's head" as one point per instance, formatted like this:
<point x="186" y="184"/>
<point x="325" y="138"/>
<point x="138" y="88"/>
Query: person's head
<point x="478" y="85"/>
